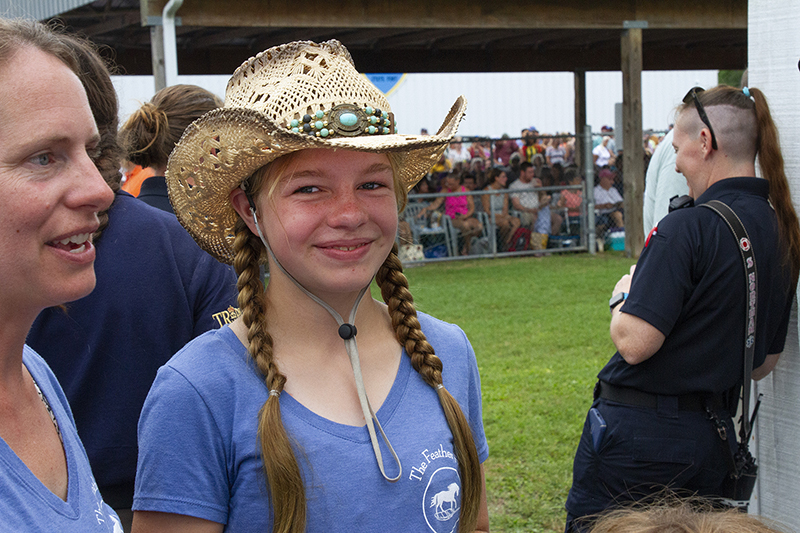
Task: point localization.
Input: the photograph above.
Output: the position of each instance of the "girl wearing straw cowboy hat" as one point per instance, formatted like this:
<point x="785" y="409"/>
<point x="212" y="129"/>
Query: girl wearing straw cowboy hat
<point x="319" y="408"/>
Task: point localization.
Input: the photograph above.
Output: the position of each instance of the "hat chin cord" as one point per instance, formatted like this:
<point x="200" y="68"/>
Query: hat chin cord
<point x="347" y="331"/>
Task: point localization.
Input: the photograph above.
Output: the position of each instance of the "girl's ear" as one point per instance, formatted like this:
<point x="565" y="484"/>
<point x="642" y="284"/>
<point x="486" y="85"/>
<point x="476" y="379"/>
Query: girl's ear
<point x="241" y="205"/>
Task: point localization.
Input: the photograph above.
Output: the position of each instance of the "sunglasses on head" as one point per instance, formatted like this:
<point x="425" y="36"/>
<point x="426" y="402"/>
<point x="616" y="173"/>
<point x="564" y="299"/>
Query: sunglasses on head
<point x="691" y="96"/>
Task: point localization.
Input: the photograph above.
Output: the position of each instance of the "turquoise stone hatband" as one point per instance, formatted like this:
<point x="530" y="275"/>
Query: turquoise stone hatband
<point x="346" y="120"/>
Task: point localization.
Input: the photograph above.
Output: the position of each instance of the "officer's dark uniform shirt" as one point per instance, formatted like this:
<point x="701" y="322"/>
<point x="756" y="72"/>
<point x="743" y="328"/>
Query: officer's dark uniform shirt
<point x="689" y="284"/>
<point x="156" y="290"/>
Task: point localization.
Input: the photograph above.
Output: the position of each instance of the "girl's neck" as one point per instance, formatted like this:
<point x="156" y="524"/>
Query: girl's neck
<point x="294" y="313"/>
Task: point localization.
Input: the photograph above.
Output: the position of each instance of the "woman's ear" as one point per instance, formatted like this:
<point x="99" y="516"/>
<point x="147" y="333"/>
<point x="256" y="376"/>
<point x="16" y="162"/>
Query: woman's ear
<point x="241" y="205"/>
<point x="705" y="138"/>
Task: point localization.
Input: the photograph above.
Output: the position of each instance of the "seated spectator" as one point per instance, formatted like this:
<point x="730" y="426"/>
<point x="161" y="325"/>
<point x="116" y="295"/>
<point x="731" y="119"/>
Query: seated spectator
<point x="442" y="168"/>
<point x="530" y="146"/>
<point x="497" y="205"/>
<point x="423" y="186"/>
<point x="555" y="151"/>
<point x="481" y="149"/>
<point x="572" y="199"/>
<point x="612" y="144"/>
<point x="151" y="132"/>
<point x="546" y="177"/>
<point x="470" y="183"/>
<point x="608" y="201"/>
<point x="569" y="146"/>
<point x="547" y="180"/>
<point x="538" y="164"/>
<point x="601" y="153"/>
<point x="557" y="169"/>
<point x="460" y="209"/>
<point x="503" y="149"/>
<point x="529" y="203"/>
<point x="513" y="167"/>
<point x="477" y="168"/>
<point x="457" y="152"/>
<point x="675" y="515"/>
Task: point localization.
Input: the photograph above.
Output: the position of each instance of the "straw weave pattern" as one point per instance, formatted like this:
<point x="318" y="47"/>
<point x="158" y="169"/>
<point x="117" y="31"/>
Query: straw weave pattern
<point x="305" y="77"/>
<point x="227" y="145"/>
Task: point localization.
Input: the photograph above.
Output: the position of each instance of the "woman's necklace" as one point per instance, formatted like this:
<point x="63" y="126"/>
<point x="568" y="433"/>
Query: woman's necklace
<point x="49" y="411"/>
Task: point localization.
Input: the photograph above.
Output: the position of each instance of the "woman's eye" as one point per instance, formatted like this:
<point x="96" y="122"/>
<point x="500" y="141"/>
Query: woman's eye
<point x="307" y="189"/>
<point x="372" y="185"/>
<point x="42" y="159"/>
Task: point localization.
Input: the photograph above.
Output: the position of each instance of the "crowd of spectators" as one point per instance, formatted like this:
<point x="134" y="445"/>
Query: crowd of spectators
<point x="543" y="169"/>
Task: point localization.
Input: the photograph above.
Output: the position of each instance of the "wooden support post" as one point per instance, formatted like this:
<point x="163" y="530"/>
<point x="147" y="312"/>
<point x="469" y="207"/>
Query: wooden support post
<point x="633" y="155"/>
<point x="157" y="55"/>
<point x="580" y="113"/>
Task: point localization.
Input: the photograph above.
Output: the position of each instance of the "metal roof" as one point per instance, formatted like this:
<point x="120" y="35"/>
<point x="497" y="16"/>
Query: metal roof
<point x="411" y="36"/>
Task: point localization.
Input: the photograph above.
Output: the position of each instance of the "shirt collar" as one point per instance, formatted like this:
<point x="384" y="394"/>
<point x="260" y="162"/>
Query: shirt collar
<point x="747" y="185"/>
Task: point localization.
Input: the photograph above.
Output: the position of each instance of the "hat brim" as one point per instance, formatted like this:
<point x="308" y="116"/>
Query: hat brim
<point x="226" y="146"/>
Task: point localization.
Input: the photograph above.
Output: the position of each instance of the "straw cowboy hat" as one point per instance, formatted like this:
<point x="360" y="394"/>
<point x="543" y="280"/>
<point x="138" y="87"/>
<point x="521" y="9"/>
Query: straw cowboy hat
<point x="288" y="98"/>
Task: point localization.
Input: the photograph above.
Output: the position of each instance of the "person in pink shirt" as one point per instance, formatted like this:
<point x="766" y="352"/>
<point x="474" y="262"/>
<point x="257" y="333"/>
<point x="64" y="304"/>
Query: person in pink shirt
<point x="461" y="209"/>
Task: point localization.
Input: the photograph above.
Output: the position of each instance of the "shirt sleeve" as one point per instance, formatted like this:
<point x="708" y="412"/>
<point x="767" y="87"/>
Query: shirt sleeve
<point x="662" y="281"/>
<point x="214" y="287"/>
<point x="182" y="465"/>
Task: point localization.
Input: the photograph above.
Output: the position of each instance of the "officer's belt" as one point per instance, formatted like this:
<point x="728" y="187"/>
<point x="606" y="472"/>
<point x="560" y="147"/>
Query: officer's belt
<point x="635" y="397"/>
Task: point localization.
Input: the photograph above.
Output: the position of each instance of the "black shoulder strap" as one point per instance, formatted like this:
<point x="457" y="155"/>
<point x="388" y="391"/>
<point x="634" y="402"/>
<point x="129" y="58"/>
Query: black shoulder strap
<point x="746" y="249"/>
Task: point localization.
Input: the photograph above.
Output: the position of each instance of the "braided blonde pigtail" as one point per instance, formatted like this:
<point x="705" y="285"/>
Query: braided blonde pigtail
<point x="394" y="289"/>
<point x="284" y="481"/>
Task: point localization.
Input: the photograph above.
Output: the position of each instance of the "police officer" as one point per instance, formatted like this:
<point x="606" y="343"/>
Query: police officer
<point x="678" y="318"/>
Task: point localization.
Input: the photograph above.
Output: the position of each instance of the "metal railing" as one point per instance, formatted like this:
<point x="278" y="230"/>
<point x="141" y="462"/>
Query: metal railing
<point x="433" y="237"/>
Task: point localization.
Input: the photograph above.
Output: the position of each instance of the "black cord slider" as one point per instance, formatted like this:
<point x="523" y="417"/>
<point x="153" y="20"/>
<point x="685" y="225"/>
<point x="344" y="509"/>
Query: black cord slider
<point x="347" y="331"/>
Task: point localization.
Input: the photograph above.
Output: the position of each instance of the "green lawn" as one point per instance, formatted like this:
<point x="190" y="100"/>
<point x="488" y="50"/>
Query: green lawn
<point x="539" y="327"/>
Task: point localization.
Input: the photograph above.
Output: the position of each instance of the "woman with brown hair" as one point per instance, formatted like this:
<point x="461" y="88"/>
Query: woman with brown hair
<point x="260" y="426"/>
<point x="497" y="205"/>
<point x="681" y="321"/>
<point x="106" y="347"/>
<point x="152" y="131"/>
<point x="50" y="196"/>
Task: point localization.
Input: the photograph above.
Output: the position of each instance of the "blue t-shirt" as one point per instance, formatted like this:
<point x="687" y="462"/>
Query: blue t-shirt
<point x="25" y="503"/>
<point x="689" y="284"/>
<point x="156" y="290"/>
<point x="199" y="454"/>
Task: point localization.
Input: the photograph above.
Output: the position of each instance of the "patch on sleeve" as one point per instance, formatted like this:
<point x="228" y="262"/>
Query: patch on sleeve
<point x="653" y="232"/>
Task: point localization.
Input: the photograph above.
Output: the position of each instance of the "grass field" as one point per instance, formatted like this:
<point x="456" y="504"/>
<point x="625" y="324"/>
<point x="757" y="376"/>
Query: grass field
<point x="539" y="327"/>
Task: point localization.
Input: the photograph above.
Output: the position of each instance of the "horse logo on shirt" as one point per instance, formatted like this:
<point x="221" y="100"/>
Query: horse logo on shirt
<point x="445" y="503"/>
<point x="442" y="500"/>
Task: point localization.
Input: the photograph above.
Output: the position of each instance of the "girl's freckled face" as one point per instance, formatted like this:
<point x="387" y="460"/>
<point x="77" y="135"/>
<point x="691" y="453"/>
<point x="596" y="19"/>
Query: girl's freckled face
<point x="332" y="220"/>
